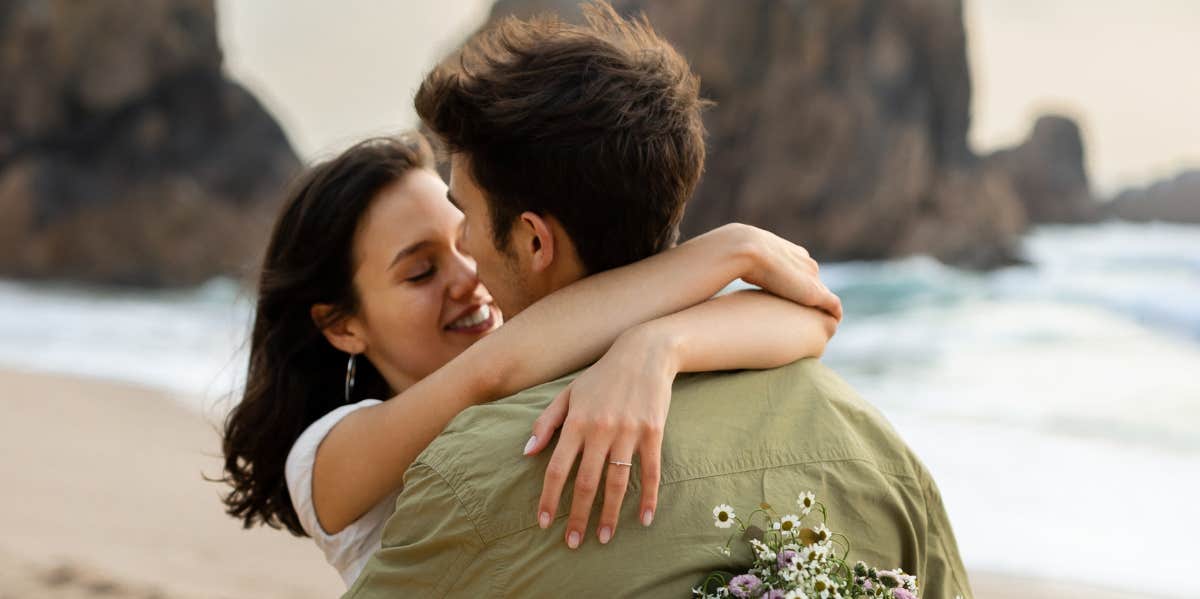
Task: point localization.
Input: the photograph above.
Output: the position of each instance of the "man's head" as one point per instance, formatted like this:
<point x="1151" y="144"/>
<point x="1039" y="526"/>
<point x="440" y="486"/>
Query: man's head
<point x="573" y="148"/>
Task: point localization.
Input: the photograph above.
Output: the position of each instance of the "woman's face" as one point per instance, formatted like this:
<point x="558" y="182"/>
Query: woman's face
<point x="421" y="303"/>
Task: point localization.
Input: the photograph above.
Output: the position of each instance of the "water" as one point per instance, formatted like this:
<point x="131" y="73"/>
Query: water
<point x="191" y="344"/>
<point x="1057" y="404"/>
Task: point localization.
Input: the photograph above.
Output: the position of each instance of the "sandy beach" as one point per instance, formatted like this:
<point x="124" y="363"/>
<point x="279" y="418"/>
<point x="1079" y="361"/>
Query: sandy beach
<point x="106" y="499"/>
<point x="110" y="501"/>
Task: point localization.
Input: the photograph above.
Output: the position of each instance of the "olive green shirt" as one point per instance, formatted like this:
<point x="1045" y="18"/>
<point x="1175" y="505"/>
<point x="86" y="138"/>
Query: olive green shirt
<point x="465" y="524"/>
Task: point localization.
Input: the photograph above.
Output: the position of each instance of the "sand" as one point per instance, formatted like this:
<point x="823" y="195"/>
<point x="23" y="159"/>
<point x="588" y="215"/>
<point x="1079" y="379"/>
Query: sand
<point x="104" y="497"/>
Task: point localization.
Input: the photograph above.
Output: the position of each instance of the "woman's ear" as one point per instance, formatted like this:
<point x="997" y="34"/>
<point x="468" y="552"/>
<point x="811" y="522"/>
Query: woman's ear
<point x="342" y="333"/>
<point x="539" y="240"/>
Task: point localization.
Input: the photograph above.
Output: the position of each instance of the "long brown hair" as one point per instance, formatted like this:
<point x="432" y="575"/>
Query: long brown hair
<point x="295" y="376"/>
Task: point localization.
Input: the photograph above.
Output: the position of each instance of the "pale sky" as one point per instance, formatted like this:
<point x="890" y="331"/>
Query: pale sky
<point x="335" y="72"/>
<point x="1125" y="69"/>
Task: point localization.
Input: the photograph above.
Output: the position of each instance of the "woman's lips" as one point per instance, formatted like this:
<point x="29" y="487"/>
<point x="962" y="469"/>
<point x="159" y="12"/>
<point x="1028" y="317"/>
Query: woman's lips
<point x="482" y="320"/>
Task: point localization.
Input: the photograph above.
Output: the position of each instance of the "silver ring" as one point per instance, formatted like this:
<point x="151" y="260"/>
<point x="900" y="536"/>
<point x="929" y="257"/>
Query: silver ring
<point x="620" y="463"/>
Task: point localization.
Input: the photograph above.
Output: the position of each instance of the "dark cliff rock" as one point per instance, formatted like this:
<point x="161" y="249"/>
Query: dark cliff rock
<point x="1172" y="200"/>
<point x="840" y="125"/>
<point x="125" y="155"/>
<point x="1048" y="172"/>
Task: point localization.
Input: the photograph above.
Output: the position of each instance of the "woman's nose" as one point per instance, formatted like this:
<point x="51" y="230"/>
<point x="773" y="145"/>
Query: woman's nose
<point x="466" y="279"/>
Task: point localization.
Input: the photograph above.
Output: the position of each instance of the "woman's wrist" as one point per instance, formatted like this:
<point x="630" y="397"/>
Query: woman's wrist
<point x="654" y="344"/>
<point x="744" y="252"/>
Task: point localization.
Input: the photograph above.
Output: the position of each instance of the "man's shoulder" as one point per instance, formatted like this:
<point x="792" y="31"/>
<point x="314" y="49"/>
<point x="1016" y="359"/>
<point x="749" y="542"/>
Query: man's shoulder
<point x="480" y="432"/>
<point x="801" y="413"/>
<point x="479" y="456"/>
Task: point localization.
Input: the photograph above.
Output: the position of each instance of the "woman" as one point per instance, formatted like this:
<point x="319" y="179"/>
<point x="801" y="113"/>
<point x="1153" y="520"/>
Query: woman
<point x="363" y="261"/>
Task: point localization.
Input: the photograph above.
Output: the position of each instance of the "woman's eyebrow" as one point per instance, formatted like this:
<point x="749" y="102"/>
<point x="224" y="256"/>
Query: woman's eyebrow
<point x="406" y="252"/>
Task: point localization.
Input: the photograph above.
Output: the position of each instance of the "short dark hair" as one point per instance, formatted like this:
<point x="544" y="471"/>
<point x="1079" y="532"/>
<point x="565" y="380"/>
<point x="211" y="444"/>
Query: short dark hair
<point x="295" y="376"/>
<point x="597" y="125"/>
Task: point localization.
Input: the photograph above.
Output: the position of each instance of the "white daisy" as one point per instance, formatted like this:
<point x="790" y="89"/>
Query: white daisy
<point x="806" y="501"/>
<point x="824" y="587"/>
<point x="723" y="516"/>
<point x="795" y="594"/>
<point x="789" y="523"/>
<point x="823" y="533"/>
<point x="814" y="553"/>
<point x="763" y="551"/>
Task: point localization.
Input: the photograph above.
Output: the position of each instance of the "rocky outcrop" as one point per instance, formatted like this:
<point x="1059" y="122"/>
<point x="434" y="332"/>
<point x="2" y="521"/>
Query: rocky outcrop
<point x="1174" y="200"/>
<point x="1048" y="172"/>
<point x="840" y="125"/>
<point x="125" y="155"/>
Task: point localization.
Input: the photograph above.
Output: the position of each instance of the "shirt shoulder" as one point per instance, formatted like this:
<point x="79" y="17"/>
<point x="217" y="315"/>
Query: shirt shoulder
<point x="479" y="457"/>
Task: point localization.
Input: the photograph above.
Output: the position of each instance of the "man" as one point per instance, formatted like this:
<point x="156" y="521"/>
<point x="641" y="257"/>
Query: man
<point x="573" y="150"/>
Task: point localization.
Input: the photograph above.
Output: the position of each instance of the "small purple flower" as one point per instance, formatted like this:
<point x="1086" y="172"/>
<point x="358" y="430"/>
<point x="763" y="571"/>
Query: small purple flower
<point x="744" y="585"/>
<point x="772" y="594"/>
<point x="903" y="594"/>
<point x="787" y="557"/>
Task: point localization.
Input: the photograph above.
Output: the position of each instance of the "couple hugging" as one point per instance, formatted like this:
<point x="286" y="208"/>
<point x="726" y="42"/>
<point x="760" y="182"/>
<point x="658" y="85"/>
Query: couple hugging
<point x="579" y="449"/>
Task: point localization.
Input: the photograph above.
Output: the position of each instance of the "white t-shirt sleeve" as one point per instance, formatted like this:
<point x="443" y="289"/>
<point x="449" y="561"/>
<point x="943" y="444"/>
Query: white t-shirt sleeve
<point x="349" y="549"/>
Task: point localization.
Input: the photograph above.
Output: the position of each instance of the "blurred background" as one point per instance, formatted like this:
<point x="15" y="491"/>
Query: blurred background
<point x="998" y="189"/>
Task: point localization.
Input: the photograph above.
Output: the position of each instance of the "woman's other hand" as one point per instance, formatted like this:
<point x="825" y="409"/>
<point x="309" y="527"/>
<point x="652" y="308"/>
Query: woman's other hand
<point x="613" y="410"/>
<point x="778" y="266"/>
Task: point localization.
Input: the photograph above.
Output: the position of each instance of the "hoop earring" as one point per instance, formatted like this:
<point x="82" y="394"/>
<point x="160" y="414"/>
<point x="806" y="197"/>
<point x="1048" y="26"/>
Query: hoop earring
<point x="351" y="367"/>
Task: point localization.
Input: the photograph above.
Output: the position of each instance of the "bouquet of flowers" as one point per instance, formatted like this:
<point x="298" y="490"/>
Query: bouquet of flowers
<point x="794" y="561"/>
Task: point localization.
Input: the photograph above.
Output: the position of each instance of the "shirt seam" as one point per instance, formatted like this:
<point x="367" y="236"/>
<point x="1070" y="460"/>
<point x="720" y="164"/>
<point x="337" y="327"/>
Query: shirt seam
<point x="454" y="491"/>
<point x="941" y="541"/>
<point x="445" y="589"/>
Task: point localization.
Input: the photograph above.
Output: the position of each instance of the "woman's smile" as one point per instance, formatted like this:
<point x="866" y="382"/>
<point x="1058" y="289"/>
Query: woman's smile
<point x="475" y="320"/>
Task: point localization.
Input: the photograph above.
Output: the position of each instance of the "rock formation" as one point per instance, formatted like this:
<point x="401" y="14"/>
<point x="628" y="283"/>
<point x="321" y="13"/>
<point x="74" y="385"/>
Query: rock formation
<point x="840" y="125"/>
<point x="1172" y="200"/>
<point x="1048" y="173"/>
<point x="125" y="155"/>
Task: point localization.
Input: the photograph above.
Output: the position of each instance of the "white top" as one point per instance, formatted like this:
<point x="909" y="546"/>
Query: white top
<point x="349" y="549"/>
<point x="737" y="285"/>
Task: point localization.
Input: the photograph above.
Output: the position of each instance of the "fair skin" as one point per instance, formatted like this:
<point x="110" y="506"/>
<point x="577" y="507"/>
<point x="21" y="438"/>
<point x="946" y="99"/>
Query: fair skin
<point x="426" y="322"/>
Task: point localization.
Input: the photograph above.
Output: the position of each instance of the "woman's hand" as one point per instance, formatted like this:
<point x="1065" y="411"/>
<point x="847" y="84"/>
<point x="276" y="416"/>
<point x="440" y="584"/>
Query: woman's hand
<point x="616" y="408"/>
<point x="777" y="265"/>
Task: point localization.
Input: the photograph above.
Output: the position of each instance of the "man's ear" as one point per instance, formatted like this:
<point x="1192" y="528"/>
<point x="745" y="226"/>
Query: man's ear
<point x="539" y="240"/>
<point x="342" y="333"/>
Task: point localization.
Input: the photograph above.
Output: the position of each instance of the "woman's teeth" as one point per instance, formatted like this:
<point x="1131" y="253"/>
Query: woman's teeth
<point x="474" y="318"/>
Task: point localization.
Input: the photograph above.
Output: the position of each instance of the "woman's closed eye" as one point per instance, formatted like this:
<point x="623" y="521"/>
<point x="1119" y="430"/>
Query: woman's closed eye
<point x="423" y="275"/>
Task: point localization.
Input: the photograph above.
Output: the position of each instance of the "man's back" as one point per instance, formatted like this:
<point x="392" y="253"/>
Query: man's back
<point x="466" y="524"/>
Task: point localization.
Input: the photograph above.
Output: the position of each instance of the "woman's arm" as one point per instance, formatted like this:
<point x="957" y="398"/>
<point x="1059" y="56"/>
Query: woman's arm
<point x="619" y="405"/>
<point x="364" y="457"/>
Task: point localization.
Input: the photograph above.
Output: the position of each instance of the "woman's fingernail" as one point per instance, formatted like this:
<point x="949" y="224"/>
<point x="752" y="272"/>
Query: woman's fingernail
<point x="647" y="517"/>
<point x="573" y="540"/>
<point x="544" y="519"/>
<point x="529" y="444"/>
<point x="605" y="535"/>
